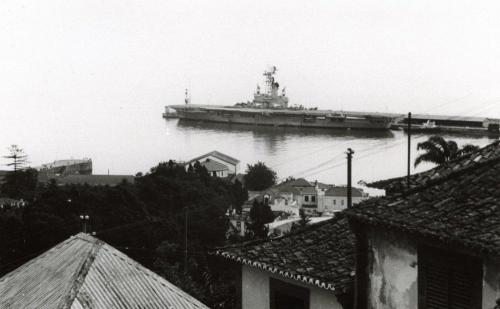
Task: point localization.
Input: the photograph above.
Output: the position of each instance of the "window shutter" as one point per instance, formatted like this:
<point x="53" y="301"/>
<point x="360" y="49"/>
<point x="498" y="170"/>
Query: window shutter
<point x="448" y="280"/>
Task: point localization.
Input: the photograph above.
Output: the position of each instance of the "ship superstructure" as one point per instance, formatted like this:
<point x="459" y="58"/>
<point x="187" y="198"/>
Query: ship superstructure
<point x="270" y="97"/>
<point x="270" y="107"/>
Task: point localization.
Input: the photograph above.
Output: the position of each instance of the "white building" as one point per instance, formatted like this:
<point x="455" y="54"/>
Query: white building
<point x="314" y="198"/>
<point x="310" y="269"/>
<point x="335" y="198"/>
<point x="214" y="162"/>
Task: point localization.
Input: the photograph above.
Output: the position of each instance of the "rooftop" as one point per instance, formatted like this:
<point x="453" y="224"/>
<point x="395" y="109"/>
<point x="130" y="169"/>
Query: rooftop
<point x="217" y="154"/>
<point x="321" y="254"/>
<point x="399" y="184"/>
<point x="457" y="203"/>
<point x="214" y="166"/>
<point x="93" y="180"/>
<point x="342" y="191"/>
<point x="84" y="272"/>
<point x="300" y="182"/>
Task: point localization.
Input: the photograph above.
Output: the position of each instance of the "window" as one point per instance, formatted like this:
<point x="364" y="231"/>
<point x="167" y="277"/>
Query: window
<point x="306" y="198"/>
<point x="214" y="173"/>
<point x="334" y="202"/>
<point x="342" y="202"/>
<point x="313" y="198"/>
<point x="287" y="296"/>
<point x="448" y="280"/>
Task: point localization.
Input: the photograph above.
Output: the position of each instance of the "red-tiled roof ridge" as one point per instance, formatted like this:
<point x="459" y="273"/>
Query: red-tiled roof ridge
<point x="399" y="184"/>
<point x="337" y="244"/>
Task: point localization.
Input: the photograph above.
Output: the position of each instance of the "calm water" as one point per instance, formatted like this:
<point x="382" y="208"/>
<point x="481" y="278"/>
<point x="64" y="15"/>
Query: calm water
<point x="133" y="141"/>
<point x="316" y="154"/>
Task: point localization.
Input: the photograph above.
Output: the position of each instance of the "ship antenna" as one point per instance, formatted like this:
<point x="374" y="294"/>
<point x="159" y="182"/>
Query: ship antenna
<point x="186" y="99"/>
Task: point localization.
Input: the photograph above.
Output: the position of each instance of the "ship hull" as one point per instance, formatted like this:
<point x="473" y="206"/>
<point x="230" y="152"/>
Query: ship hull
<point x="281" y="118"/>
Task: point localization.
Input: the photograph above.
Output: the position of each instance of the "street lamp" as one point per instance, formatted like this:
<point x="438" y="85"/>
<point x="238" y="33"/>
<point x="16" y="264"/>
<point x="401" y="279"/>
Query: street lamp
<point x="85" y="219"/>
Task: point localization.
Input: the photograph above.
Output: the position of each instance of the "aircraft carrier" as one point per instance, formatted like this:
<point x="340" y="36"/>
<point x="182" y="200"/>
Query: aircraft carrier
<point x="271" y="108"/>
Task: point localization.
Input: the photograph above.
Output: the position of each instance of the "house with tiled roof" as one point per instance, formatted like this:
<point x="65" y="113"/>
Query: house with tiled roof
<point x="310" y="268"/>
<point x="86" y="273"/>
<point x="215" y="161"/>
<point x="315" y="198"/>
<point x="436" y="244"/>
<point x="299" y="191"/>
<point x="334" y="198"/>
<point x="398" y="184"/>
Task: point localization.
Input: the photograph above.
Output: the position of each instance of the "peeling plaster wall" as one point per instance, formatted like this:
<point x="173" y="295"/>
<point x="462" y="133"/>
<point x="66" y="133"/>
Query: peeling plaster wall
<point x="491" y="283"/>
<point x="255" y="291"/>
<point x="392" y="271"/>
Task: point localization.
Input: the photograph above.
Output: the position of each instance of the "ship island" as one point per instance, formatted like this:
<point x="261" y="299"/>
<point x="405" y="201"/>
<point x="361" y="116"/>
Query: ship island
<point x="270" y="107"/>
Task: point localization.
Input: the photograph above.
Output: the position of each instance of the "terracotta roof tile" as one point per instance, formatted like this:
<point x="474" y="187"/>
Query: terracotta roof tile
<point x="321" y="255"/>
<point x="399" y="184"/>
<point x="462" y="207"/>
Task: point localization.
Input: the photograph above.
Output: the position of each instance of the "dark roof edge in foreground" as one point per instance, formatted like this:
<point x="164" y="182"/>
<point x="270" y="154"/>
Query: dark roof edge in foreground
<point x="269" y="268"/>
<point x="389" y="224"/>
<point x="274" y="270"/>
<point x="385" y="183"/>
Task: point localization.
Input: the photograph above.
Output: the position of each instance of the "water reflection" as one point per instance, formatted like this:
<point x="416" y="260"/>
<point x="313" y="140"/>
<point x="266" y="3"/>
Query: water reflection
<point x="269" y="131"/>
<point x="317" y="154"/>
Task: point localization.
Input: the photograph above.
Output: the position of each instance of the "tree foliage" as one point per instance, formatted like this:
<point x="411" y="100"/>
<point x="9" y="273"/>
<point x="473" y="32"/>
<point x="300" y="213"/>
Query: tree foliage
<point x="18" y="159"/>
<point x="437" y="150"/>
<point x="259" y="177"/>
<point x="20" y="184"/>
<point x="144" y="219"/>
<point x="260" y="215"/>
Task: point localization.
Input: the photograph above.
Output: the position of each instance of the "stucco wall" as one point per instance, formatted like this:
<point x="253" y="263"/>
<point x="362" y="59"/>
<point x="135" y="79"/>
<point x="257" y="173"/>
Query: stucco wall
<point x="255" y="291"/>
<point x="326" y="203"/>
<point x="392" y="272"/>
<point x="491" y="283"/>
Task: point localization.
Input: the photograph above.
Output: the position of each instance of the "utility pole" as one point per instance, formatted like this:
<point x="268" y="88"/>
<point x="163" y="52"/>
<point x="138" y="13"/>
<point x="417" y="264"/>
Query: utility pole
<point x="409" y="151"/>
<point x="186" y="240"/>
<point x="349" y="153"/>
<point x="85" y="219"/>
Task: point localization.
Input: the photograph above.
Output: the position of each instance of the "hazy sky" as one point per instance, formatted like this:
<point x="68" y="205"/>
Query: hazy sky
<point x="82" y="68"/>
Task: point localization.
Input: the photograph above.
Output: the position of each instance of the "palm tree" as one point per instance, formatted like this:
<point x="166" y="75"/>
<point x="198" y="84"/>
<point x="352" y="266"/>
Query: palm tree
<point x="438" y="150"/>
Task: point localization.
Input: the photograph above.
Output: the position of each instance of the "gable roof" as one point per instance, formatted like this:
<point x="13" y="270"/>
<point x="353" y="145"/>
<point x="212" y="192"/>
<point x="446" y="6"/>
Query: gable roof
<point x="307" y="190"/>
<point x="214" y="166"/>
<point x="293" y="186"/>
<point x="84" y="272"/>
<point x="460" y="204"/>
<point x="285" y="188"/>
<point x="399" y="184"/>
<point x="342" y="191"/>
<point x="217" y="154"/>
<point x="321" y="255"/>
<point x="300" y="182"/>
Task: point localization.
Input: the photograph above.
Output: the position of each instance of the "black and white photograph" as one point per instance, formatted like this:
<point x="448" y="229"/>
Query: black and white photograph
<point x="249" y="154"/>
